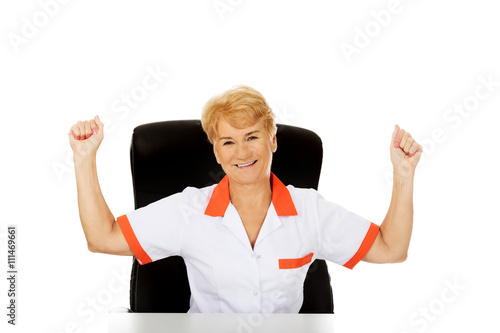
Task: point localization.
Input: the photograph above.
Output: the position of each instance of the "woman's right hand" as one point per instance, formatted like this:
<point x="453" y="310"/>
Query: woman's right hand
<point x="85" y="137"/>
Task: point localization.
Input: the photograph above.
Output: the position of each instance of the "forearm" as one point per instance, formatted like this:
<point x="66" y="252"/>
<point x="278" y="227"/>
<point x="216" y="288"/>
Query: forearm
<point x="397" y="226"/>
<point x="95" y="216"/>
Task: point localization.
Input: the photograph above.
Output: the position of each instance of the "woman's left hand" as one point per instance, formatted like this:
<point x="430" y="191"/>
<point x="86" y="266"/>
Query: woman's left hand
<point x="405" y="153"/>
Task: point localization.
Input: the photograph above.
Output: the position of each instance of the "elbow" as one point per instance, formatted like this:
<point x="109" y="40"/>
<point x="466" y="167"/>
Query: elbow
<point x="92" y="248"/>
<point x="400" y="258"/>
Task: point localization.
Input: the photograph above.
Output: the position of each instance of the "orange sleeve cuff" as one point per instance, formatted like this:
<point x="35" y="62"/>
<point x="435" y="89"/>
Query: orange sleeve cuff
<point x="365" y="246"/>
<point x="132" y="240"/>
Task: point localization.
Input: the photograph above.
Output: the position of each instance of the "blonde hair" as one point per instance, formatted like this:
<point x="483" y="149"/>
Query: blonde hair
<point x="241" y="107"/>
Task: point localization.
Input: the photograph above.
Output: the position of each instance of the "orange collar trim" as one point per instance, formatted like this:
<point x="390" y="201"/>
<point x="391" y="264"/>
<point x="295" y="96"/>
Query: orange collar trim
<point x="281" y="198"/>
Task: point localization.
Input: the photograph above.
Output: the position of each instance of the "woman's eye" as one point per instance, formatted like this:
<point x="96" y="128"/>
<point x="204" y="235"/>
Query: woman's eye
<point x="252" y="138"/>
<point x="227" y="143"/>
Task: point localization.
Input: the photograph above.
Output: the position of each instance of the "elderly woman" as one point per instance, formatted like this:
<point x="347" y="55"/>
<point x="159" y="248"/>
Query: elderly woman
<point x="249" y="240"/>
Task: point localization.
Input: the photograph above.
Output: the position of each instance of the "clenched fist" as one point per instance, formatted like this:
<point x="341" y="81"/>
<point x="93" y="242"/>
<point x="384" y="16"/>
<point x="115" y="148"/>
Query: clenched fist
<point x="405" y="152"/>
<point x="85" y="137"/>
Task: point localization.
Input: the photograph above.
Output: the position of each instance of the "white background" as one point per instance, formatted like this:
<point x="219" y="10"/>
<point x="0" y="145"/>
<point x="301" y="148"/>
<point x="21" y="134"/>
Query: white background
<point x="427" y="57"/>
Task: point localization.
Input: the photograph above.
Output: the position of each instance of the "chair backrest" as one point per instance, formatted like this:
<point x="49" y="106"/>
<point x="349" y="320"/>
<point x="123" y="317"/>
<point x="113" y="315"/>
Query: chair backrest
<point x="168" y="156"/>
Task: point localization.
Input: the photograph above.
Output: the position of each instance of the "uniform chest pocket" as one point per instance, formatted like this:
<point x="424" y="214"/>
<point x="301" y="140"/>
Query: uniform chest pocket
<point x="295" y="262"/>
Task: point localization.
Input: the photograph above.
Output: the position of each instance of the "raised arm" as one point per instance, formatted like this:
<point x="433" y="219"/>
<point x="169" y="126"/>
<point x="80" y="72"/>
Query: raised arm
<point x="101" y="230"/>
<point x="393" y="240"/>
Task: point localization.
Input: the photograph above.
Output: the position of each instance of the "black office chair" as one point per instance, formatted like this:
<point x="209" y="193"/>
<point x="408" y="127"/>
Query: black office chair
<point x="168" y="156"/>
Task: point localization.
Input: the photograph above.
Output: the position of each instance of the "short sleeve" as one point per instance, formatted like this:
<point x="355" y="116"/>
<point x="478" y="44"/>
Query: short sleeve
<point x="155" y="231"/>
<point x="344" y="237"/>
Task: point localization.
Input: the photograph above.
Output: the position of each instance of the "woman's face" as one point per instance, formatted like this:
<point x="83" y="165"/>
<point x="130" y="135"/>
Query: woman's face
<point x="245" y="154"/>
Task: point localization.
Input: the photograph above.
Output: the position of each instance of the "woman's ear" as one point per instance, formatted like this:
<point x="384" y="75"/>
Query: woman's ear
<point x="274" y="143"/>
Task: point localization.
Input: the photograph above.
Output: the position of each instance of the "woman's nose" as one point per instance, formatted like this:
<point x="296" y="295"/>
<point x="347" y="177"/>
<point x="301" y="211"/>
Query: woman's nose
<point x="242" y="151"/>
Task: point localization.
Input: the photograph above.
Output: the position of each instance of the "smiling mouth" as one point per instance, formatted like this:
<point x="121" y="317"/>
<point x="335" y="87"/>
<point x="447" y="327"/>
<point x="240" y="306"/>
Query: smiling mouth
<point x="246" y="165"/>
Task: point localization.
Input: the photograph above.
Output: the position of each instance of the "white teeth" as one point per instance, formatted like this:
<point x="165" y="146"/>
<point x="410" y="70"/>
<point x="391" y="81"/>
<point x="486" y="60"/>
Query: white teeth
<point x="244" y="165"/>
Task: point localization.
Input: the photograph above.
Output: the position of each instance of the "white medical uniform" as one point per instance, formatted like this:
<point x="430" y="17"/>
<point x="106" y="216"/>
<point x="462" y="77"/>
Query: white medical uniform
<point x="225" y="273"/>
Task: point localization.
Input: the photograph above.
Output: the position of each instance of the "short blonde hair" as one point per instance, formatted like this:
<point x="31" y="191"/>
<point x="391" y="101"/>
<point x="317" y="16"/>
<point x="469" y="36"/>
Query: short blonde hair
<point x="241" y="107"/>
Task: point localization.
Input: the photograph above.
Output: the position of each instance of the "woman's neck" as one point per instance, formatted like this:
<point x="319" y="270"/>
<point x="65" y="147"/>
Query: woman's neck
<point x="247" y="196"/>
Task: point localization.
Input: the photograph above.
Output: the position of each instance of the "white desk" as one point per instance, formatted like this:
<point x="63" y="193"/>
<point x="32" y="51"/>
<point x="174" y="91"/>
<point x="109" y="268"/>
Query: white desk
<point x="219" y="323"/>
